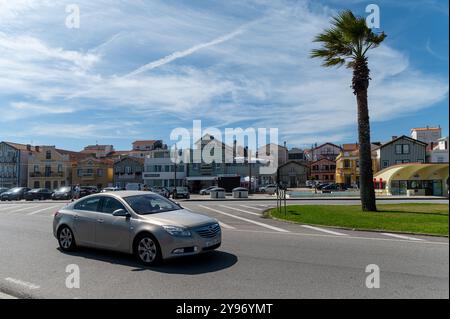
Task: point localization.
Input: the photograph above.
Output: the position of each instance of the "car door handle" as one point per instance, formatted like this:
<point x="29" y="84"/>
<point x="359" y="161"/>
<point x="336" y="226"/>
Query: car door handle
<point x="75" y="217"/>
<point x="100" y="220"/>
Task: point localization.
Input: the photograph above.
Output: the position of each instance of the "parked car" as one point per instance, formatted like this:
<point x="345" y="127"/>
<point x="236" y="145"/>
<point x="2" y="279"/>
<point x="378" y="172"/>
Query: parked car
<point x="16" y="193"/>
<point x="321" y="185"/>
<point x="269" y="189"/>
<point x="310" y="183"/>
<point x="207" y="191"/>
<point x="161" y="228"/>
<point x="88" y="190"/>
<point x="3" y="189"/>
<point x="181" y="192"/>
<point x="333" y="188"/>
<point x="62" y="193"/>
<point x="110" y="189"/>
<point x="161" y="191"/>
<point x="38" y="193"/>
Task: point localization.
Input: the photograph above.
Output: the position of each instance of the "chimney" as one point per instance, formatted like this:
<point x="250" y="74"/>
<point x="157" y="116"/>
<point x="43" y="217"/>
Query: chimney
<point x="37" y="148"/>
<point x="28" y="147"/>
<point x="394" y="137"/>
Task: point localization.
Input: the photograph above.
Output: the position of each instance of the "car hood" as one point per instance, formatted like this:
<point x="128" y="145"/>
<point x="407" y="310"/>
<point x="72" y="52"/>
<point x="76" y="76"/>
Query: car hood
<point x="181" y="217"/>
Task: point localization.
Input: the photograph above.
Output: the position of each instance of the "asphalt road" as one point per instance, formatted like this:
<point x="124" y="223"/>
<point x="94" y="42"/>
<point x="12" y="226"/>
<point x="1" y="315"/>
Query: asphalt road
<point x="259" y="258"/>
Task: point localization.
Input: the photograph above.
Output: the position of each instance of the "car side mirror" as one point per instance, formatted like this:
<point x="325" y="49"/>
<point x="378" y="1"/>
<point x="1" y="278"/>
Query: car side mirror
<point x="121" y="213"/>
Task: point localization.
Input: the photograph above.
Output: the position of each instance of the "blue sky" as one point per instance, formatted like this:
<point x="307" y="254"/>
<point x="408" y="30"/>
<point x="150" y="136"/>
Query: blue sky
<point x="138" y="69"/>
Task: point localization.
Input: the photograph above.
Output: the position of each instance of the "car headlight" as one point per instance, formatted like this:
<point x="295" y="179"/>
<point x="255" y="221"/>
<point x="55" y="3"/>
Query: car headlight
<point x="177" y="231"/>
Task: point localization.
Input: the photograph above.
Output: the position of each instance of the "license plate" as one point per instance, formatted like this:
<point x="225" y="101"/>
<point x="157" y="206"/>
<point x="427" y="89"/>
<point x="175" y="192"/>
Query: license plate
<point x="212" y="242"/>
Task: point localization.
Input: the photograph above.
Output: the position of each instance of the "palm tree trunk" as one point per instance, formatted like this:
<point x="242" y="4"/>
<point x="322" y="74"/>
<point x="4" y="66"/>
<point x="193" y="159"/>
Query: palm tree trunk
<point x="360" y="85"/>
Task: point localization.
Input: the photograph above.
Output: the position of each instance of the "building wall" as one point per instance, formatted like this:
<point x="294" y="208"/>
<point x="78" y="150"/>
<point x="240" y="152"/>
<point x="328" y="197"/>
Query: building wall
<point x="323" y="170"/>
<point x="93" y="172"/>
<point x="347" y="168"/>
<point x="426" y="135"/>
<point x="293" y="174"/>
<point x="9" y="166"/>
<point x="128" y="170"/>
<point x="160" y="171"/>
<point x="51" y="172"/>
<point x="389" y="157"/>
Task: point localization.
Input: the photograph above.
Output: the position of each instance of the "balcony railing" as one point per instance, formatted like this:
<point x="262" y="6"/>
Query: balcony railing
<point x="46" y="174"/>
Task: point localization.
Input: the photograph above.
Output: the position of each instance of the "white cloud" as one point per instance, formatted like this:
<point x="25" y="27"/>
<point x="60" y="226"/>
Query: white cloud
<point x="259" y="75"/>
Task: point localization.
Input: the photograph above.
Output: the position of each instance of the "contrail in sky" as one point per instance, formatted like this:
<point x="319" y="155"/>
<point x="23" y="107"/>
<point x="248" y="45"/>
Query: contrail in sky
<point x="180" y="54"/>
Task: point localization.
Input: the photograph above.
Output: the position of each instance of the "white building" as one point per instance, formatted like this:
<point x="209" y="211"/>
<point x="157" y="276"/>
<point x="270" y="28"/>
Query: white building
<point x="159" y="170"/>
<point x="426" y="134"/>
<point x="438" y="152"/>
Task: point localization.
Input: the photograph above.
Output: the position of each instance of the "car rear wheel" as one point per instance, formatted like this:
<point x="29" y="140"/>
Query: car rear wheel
<point x="66" y="239"/>
<point x="147" y="250"/>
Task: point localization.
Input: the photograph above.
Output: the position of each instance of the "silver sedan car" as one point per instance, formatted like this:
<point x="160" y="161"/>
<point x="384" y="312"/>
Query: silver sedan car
<point x="142" y="223"/>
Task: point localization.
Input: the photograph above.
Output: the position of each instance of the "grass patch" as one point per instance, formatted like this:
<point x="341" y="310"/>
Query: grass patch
<point x="409" y="218"/>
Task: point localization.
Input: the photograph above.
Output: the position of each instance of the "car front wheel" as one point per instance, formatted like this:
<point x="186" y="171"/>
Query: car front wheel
<point x="66" y="239"/>
<point x="147" y="250"/>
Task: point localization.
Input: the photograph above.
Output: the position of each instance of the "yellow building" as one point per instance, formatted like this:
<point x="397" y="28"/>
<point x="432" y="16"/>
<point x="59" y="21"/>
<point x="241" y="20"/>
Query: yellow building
<point x="92" y="171"/>
<point x="347" y="165"/>
<point x="414" y="179"/>
<point x="49" y="167"/>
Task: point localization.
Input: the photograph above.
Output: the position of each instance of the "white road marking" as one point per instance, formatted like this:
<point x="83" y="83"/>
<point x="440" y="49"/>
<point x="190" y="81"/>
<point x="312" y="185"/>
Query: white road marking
<point x="226" y="225"/>
<point x="251" y="207"/>
<point x="324" y="230"/>
<point x="401" y="236"/>
<point x="241" y="210"/>
<point x="22" y="209"/>
<point x="6" y="207"/>
<point x="341" y="237"/>
<point x="41" y="210"/>
<point x="247" y="220"/>
<point x="19" y="282"/>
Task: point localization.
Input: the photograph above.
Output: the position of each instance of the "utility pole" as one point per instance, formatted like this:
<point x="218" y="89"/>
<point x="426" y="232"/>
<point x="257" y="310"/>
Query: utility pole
<point x="175" y="165"/>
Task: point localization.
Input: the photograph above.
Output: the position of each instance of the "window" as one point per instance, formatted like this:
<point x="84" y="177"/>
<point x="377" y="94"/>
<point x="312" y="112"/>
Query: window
<point x="48" y="155"/>
<point x="150" y="204"/>
<point x="55" y="184"/>
<point x="110" y="205"/>
<point x="60" y="168"/>
<point x="398" y="149"/>
<point x="37" y="184"/>
<point x="100" y="172"/>
<point x="405" y="149"/>
<point x="128" y="169"/>
<point x="79" y="172"/>
<point x="346" y="163"/>
<point x="90" y="204"/>
<point x="398" y="161"/>
<point x="36" y="168"/>
<point x="406" y="161"/>
<point x="385" y="164"/>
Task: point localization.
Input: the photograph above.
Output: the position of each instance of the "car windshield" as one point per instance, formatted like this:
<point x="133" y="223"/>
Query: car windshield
<point x="150" y="204"/>
<point x="15" y="190"/>
<point x="36" y="190"/>
<point x="63" y="189"/>
<point x="181" y="189"/>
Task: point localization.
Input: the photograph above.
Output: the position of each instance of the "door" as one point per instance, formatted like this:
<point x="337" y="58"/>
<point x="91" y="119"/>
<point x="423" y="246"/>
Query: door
<point x="112" y="232"/>
<point x="84" y="221"/>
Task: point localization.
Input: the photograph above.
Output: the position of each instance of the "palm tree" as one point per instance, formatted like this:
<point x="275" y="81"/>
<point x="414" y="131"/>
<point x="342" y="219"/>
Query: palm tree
<point x="347" y="42"/>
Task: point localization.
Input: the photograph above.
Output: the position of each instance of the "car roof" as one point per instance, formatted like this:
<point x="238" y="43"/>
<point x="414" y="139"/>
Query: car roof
<point x="123" y="194"/>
